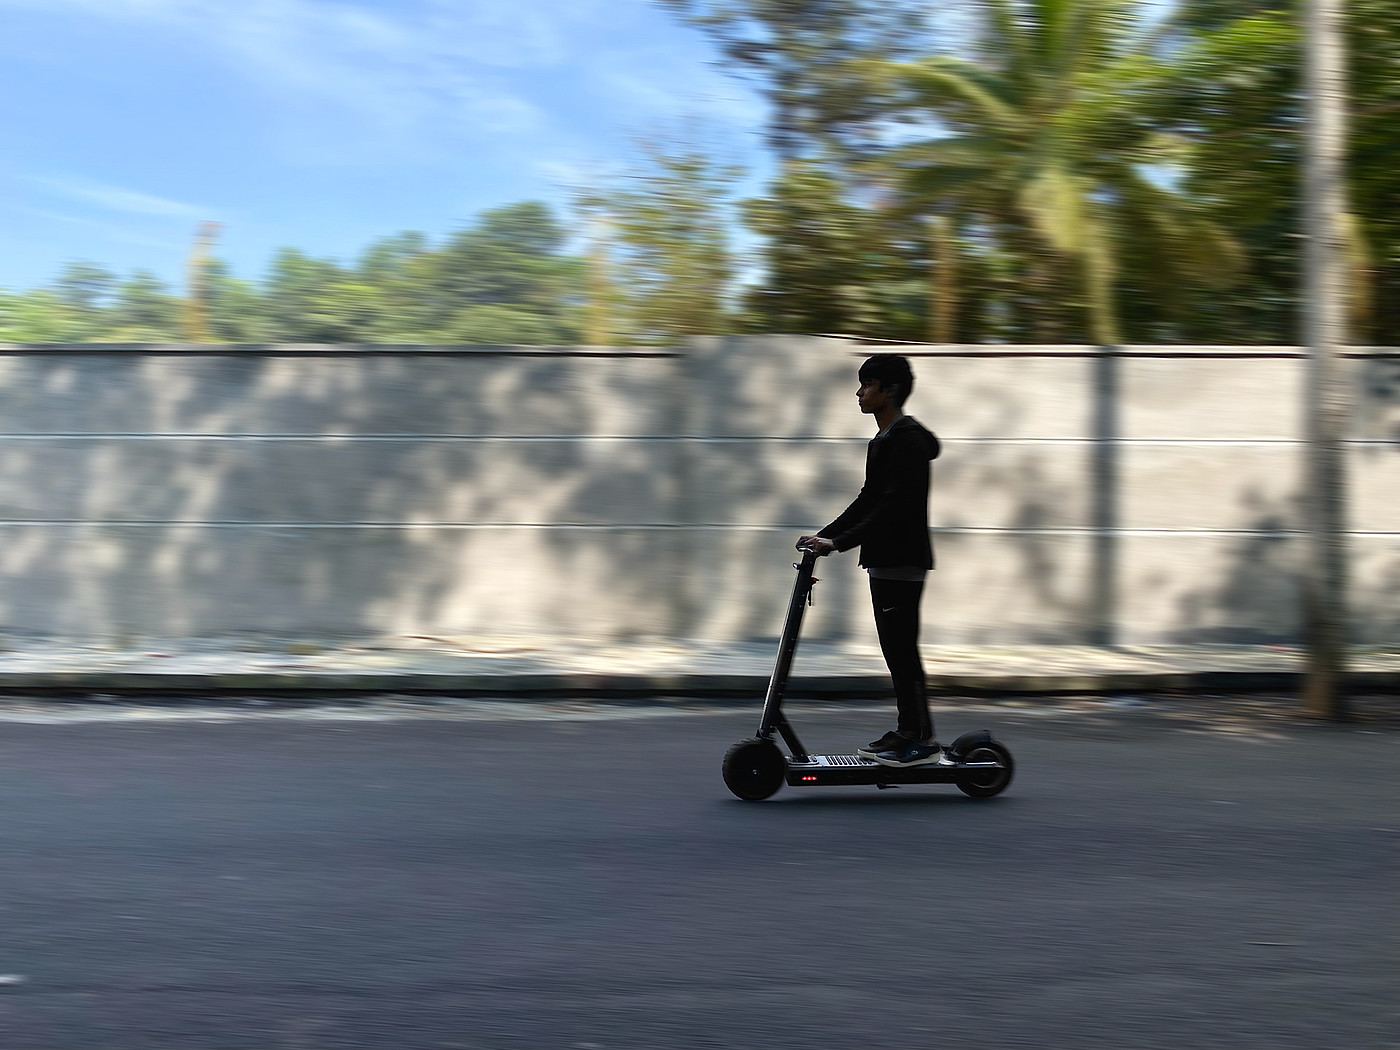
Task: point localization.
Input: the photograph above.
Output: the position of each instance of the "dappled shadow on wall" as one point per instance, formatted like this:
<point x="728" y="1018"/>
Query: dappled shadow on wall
<point x="169" y="495"/>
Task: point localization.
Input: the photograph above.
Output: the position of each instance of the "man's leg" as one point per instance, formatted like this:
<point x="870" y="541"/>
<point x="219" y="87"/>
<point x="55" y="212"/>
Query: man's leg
<point x="896" y="604"/>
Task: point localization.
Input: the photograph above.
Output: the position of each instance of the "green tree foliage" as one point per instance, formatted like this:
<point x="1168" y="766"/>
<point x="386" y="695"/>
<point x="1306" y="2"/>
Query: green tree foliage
<point x="670" y="259"/>
<point x="497" y="324"/>
<point x="504" y="279"/>
<point x="1238" y="105"/>
<point x="833" y="265"/>
<point x="1070" y="171"/>
<point x="811" y="61"/>
<point x="1374" y="40"/>
<point x="38" y="316"/>
<point x="142" y="311"/>
<point x="1235" y="106"/>
<point x="830" y="263"/>
<point x="84" y="291"/>
<point x="308" y="300"/>
<point x="86" y="303"/>
<point x="1039" y="155"/>
<point x="506" y="275"/>
<point x="1045" y="151"/>
<point x="234" y="306"/>
<point x="1103" y="176"/>
<point x="817" y="247"/>
<point x="400" y="267"/>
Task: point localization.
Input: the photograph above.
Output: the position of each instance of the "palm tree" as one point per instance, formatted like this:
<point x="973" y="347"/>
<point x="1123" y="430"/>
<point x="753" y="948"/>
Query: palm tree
<point x="1044" y="146"/>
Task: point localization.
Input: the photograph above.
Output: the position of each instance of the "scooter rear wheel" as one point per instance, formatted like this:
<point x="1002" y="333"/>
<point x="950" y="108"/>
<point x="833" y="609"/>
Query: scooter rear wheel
<point x="754" y="769"/>
<point x="993" y="781"/>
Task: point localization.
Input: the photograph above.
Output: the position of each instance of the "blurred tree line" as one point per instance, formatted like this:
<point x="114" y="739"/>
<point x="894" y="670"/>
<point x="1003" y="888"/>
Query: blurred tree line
<point x="505" y="278"/>
<point x="1040" y="171"/>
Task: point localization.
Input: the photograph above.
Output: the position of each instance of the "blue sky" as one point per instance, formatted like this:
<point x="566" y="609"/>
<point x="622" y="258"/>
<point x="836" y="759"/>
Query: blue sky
<point x="323" y="124"/>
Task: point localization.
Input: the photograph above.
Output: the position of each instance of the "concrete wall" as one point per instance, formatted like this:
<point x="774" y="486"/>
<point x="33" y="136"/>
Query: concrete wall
<point x="1144" y="495"/>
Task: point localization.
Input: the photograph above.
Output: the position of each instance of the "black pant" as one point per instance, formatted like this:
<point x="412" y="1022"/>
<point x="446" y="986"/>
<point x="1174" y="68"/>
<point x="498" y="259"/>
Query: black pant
<point x="896" y="604"/>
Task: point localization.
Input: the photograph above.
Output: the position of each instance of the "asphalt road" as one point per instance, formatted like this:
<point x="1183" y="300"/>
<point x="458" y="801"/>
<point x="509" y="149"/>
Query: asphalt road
<point x="589" y="883"/>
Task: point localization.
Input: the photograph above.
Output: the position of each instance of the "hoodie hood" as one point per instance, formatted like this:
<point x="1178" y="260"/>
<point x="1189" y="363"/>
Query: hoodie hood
<point x="908" y="429"/>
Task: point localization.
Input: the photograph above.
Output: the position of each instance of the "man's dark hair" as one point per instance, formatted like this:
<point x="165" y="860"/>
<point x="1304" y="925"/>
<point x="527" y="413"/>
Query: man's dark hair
<point x="892" y="372"/>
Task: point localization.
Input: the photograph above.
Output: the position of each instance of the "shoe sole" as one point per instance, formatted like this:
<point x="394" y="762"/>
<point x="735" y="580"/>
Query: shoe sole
<point x="934" y="759"/>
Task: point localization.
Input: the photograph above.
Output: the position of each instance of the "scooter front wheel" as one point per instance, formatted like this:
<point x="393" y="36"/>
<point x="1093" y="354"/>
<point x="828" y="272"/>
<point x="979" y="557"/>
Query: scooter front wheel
<point x="754" y="769"/>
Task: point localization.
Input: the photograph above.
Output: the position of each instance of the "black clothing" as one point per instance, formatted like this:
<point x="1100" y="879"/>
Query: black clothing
<point x="896" y="604"/>
<point x="889" y="520"/>
<point x="889" y="517"/>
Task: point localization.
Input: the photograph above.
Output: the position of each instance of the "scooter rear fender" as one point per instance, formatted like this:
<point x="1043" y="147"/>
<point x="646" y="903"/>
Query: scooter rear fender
<point x="960" y="747"/>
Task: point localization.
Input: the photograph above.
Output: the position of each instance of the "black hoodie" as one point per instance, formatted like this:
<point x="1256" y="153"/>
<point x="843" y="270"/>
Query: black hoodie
<point x="889" y="518"/>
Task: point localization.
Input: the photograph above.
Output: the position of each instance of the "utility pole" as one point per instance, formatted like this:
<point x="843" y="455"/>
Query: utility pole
<point x="197" y="283"/>
<point x="1325" y="316"/>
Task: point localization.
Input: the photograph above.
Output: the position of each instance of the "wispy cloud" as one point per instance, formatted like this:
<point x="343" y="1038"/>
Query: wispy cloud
<point x="110" y="230"/>
<point x="415" y="64"/>
<point x="118" y="199"/>
<point x="429" y="70"/>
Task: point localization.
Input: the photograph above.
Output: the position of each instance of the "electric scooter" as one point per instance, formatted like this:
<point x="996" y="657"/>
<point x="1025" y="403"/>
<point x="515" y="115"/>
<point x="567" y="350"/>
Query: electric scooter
<point x="755" y="768"/>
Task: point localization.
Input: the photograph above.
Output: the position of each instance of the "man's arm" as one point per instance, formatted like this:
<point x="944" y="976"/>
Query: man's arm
<point x="851" y="528"/>
<point x="857" y="511"/>
<point x="822" y="542"/>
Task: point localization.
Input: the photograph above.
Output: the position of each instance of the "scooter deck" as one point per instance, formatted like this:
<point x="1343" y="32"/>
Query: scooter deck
<point x="857" y="769"/>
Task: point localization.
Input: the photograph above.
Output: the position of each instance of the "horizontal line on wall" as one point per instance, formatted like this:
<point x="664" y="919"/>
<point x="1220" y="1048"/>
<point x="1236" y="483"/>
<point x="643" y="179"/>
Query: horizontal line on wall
<point x="863" y="345"/>
<point x="860" y="345"/>
<point x="673" y="439"/>
<point x="650" y="527"/>
<point x="332" y="350"/>
<point x="989" y="531"/>
<point x="423" y="439"/>
<point x="1122" y="442"/>
<point x="412" y="438"/>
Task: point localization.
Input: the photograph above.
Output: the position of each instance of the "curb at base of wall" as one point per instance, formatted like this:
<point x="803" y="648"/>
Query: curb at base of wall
<point x="736" y="687"/>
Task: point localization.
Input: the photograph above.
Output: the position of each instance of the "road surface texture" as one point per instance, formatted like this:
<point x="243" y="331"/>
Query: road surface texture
<point x="538" y="877"/>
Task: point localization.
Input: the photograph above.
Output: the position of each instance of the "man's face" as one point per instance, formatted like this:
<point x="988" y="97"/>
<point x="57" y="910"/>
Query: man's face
<point x="872" y="396"/>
